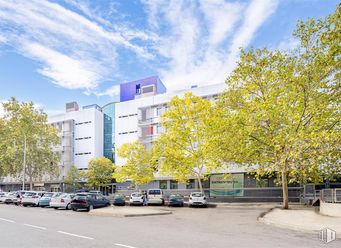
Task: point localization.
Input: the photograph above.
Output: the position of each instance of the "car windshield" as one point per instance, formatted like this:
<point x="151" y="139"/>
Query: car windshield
<point x="48" y="194"/>
<point x="197" y="194"/>
<point x="118" y="196"/>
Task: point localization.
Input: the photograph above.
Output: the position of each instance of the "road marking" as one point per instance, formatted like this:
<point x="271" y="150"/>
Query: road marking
<point x="12" y="221"/>
<point x="127" y="246"/>
<point x="75" y="235"/>
<point x="38" y="227"/>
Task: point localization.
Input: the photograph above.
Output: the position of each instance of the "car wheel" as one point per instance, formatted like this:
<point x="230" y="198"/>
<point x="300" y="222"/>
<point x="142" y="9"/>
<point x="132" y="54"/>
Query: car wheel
<point x="55" y="208"/>
<point x="68" y="206"/>
<point x="73" y="209"/>
<point x="90" y="208"/>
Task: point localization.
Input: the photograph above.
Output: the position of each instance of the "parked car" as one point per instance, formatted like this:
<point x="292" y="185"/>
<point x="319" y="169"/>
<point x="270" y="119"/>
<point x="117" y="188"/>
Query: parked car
<point x="31" y="198"/>
<point x="175" y="200"/>
<point x="19" y="196"/>
<point x="136" y="198"/>
<point x="197" y="199"/>
<point x="88" y="201"/>
<point x="10" y="197"/>
<point x="95" y="192"/>
<point x="3" y="196"/>
<point x="44" y="201"/>
<point x="61" y="200"/>
<point x="155" y="196"/>
<point x="119" y="200"/>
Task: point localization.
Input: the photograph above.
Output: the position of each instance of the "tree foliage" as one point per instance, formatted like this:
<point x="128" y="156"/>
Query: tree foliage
<point x="138" y="167"/>
<point x="73" y="178"/>
<point x="24" y="122"/>
<point x="99" y="172"/>
<point x="185" y="149"/>
<point x="284" y="110"/>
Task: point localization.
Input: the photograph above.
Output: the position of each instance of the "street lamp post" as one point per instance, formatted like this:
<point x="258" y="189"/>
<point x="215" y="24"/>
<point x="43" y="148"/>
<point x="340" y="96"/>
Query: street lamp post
<point x="24" y="165"/>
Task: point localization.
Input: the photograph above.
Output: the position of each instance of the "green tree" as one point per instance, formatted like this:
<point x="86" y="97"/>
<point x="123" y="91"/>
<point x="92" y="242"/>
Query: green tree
<point x="73" y="177"/>
<point x="138" y="167"/>
<point x="284" y="109"/>
<point x="99" y="172"/>
<point x="29" y="142"/>
<point x="185" y="149"/>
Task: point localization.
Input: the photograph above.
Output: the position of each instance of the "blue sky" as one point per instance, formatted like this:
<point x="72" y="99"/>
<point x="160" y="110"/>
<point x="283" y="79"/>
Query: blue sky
<point x="52" y="52"/>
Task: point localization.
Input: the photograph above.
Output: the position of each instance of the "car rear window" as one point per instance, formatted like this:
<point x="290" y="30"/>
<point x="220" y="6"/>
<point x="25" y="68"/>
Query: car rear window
<point x="154" y="192"/>
<point x="198" y="194"/>
<point x="136" y="194"/>
<point x="80" y="197"/>
<point x="30" y="193"/>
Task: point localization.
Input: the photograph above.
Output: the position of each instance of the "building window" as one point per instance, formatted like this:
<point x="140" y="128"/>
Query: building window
<point x="150" y="131"/>
<point x="163" y="184"/>
<point x="190" y="184"/>
<point x="173" y="184"/>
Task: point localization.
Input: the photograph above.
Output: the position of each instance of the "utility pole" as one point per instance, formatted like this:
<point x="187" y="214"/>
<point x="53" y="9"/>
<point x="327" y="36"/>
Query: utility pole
<point x="24" y="165"/>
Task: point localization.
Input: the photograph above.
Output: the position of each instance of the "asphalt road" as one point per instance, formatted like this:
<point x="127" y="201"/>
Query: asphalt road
<point x="212" y="227"/>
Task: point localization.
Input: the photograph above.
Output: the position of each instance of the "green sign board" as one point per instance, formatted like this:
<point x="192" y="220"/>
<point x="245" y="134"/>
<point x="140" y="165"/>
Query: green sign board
<point x="227" y="185"/>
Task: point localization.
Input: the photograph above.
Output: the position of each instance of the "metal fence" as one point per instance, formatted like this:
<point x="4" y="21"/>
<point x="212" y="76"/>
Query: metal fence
<point x="331" y="195"/>
<point x="234" y="194"/>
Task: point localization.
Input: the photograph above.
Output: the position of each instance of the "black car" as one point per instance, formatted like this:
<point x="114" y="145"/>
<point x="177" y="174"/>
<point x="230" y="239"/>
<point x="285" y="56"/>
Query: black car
<point x="176" y="200"/>
<point x="119" y="200"/>
<point x="88" y="201"/>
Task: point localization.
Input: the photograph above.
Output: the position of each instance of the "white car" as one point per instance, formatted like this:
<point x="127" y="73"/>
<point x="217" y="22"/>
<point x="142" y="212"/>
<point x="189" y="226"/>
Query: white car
<point x="197" y="199"/>
<point x="155" y="196"/>
<point x="136" y="198"/>
<point x="10" y="198"/>
<point x="3" y="196"/>
<point x="62" y="200"/>
<point x="31" y="198"/>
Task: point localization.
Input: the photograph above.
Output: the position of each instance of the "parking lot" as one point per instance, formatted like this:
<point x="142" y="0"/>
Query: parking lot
<point x="185" y="227"/>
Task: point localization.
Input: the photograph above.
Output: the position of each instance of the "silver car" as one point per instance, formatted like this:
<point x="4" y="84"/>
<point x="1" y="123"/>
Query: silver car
<point x="62" y="200"/>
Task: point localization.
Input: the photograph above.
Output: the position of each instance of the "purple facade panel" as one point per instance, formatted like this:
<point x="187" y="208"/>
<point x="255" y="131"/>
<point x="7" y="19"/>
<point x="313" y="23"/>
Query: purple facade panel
<point x="129" y="90"/>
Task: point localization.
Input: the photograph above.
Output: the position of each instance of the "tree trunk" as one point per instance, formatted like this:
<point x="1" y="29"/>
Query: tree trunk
<point x="200" y="185"/>
<point x="285" y="190"/>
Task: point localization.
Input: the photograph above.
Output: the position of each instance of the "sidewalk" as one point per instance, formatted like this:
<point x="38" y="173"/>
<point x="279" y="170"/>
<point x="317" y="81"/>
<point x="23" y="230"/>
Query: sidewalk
<point x="302" y="219"/>
<point x="113" y="211"/>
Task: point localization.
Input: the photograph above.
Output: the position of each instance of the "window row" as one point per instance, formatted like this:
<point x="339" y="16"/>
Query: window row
<point x="127" y="132"/>
<point x="81" y="123"/>
<point x="83" y="138"/>
<point x="82" y="153"/>
<point x="125" y="116"/>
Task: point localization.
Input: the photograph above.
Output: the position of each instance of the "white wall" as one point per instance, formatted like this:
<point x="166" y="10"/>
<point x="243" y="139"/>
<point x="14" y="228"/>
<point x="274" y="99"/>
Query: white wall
<point x="93" y="129"/>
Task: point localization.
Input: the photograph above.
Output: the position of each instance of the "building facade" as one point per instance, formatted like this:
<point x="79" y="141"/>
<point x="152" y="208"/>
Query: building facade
<point x="85" y="135"/>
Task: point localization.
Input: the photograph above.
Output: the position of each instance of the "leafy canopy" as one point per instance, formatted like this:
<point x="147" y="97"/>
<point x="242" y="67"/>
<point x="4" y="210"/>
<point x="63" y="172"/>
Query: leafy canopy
<point x="138" y="167"/>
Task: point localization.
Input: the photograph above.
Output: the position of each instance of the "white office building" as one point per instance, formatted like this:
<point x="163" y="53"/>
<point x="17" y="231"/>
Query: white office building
<point x="81" y="133"/>
<point x="139" y="119"/>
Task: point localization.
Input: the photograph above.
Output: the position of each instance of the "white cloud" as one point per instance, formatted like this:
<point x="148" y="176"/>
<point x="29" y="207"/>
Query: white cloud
<point x="187" y="42"/>
<point x="288" y="44"/>
<point x="204" y="50"/>
<point x="74" y="52"/>
<point x="113" y="91"/>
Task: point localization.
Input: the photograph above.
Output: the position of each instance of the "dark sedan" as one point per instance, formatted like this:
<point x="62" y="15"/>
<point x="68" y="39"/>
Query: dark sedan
<point x="119" y="200"/>
<point x="88" y="201"/>
<point x="176" y="200"/>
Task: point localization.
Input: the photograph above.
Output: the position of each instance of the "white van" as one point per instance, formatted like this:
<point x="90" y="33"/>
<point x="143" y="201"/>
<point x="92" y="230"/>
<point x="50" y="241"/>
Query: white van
<point x="155" y="196"/>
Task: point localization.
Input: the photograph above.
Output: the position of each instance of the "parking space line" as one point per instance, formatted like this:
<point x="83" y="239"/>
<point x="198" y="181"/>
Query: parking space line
<point x="75" y="235"/>
<point x="12" y="221"/>
<point x="127" y="246"/>
<point x="38" y="227"/>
